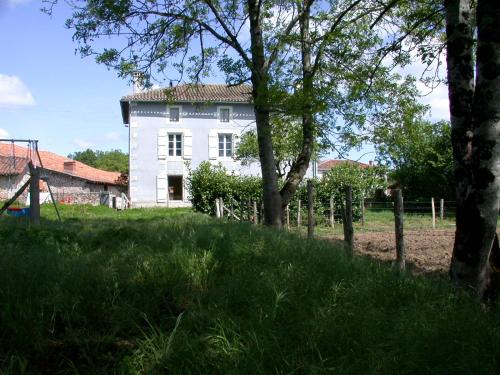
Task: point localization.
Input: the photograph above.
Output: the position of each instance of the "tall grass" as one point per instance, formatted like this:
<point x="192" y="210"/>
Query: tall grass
<point x="169" y="291"/>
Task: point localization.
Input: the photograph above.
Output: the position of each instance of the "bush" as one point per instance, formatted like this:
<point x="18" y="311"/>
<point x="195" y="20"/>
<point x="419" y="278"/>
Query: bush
<point x="209" y="182"/>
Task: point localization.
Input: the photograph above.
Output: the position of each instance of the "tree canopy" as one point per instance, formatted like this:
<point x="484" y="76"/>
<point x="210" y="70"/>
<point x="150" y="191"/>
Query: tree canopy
<point x="113" y="160"/>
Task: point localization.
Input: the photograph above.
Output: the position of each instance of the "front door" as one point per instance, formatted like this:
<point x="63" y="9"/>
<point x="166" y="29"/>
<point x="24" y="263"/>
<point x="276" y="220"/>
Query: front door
<point x="175" y="188"/>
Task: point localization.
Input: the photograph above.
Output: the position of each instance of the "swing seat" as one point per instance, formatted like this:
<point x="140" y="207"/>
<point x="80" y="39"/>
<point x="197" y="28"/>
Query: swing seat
<point x="18" y="212"/>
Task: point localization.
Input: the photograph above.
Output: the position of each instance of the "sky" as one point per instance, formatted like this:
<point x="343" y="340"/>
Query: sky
<point x="49" y="93"/>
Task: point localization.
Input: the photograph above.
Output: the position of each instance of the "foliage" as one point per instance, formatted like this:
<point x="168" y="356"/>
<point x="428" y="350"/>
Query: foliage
<point x="421" y="154"/>
<point x="114" y="160"/>
<point x="315" y="61"/>
<point x="365" y="182"/>
<point x="287" y="142"/>
<point x="209" y="182"/>
<point x="164" y="291"/>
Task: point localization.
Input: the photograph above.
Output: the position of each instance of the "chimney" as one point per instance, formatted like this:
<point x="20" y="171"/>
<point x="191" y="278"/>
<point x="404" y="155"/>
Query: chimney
<point x="138" y="82"/>
<point x="69" y="166"/>
<point x="171" y="84"/>
<point x="370" y="163"/>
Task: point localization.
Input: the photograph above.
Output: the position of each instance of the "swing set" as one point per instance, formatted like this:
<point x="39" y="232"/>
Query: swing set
<point x="35" y="165"/>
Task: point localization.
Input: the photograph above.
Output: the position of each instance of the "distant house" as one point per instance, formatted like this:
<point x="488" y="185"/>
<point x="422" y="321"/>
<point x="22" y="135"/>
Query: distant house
<point x="325" y="165"/>
<point x="71" y="181"/>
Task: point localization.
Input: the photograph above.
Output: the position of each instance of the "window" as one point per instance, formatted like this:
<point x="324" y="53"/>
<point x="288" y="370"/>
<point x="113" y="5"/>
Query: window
<point x="175" y="145"/>
<point x="225" y="145"/>
<point x="174" y="114"/>
<point x="224" y="114"/>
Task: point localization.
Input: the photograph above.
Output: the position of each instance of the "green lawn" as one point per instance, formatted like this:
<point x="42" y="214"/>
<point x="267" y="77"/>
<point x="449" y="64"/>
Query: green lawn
<point x="173" y="292"/>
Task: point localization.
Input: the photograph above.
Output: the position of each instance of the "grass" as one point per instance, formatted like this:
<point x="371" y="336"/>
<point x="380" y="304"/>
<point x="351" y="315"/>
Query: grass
<point x="170" y="291"/>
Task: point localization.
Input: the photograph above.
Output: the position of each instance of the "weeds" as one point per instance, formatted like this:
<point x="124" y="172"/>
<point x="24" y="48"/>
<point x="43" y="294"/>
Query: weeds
<point x="169" y="291"/>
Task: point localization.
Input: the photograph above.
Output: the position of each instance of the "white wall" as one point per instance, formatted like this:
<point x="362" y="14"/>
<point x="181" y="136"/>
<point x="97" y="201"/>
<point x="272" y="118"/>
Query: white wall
<point x="148" y="168"/>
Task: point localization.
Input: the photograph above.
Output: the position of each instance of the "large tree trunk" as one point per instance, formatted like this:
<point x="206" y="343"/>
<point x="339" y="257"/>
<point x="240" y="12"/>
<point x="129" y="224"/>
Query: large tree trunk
<point x="299" y="167"/>
<point x="475" y="119"/>
<point x="260" y="93"/>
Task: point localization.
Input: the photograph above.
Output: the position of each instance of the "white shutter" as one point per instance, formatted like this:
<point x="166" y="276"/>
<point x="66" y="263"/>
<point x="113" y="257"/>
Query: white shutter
<point x="162" y="143"/>
<point x="188" y="144"/>
<point x="213" y="145"/>
<point x="236" y="143"/>
<point x="161" y="188"/>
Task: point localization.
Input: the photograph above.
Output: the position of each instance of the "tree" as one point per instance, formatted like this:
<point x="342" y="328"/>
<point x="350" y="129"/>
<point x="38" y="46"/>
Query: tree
<point x="301" y="40"/>
<point x="473" y="58"/>
<point x="287" y="140"/>
<point x="114" y="160"/>
<point x="419" y="152"/>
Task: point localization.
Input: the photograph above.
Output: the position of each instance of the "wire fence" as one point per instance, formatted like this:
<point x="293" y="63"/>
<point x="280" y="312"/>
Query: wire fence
<point x="368" y="215"/>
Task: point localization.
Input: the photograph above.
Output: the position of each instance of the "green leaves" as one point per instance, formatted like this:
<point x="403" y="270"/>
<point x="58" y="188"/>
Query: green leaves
<point x="114" y="160"/>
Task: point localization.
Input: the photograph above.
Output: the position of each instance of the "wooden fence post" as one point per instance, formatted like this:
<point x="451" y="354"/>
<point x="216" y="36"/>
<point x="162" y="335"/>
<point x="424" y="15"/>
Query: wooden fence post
<point x="255" y="213"/>
<point x="433" y="207"/>
<point x="298" y="215"/>
<point x="217" y="208"/>
<point x="348" y="228"/>
<point x="362" y="211"/>
<point x="221" y="206"/>
<point x="398" y="226"/>
<point x="441" y="209"/>
<point x="34" y="194"/>
<point x="310" y="210"/>
<point x="332" y="213"/>
<point x="288" y="216"/>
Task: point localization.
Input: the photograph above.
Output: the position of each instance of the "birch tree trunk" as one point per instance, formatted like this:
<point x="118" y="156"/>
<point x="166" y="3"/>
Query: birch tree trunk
<point x="475" y="120"/>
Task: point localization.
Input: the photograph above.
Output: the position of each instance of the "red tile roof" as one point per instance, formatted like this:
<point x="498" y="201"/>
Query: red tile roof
<point x="326" y="165"/>
<point x="12" y="166"/>
<point x="54" y="162"/>
<point x="193" y="93"/>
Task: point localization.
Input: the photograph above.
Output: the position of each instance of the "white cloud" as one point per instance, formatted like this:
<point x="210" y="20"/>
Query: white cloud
<point x="13" y="92"/>
<point x="84" y="143"/>
<point x="437" y="99"/>
<point x="4" y="133"/>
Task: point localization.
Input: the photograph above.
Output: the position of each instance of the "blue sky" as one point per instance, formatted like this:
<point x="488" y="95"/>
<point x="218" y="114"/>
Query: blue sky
<point x="49" y="93"/>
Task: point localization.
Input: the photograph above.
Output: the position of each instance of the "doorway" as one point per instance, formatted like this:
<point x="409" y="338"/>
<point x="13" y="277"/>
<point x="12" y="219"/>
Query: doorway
<point x="175" y="188"/>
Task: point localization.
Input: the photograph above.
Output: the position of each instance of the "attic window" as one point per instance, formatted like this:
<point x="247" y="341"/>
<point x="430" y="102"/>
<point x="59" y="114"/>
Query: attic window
<point x="174" y="114"/>
<point x="224" y="114"/>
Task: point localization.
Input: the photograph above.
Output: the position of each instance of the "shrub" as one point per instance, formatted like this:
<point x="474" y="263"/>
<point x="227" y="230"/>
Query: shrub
<point x="208" y="182"/>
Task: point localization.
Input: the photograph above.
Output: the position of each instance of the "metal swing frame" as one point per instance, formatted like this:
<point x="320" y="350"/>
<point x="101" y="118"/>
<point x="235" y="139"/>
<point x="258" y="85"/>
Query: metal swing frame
<point x="33" y="180"/>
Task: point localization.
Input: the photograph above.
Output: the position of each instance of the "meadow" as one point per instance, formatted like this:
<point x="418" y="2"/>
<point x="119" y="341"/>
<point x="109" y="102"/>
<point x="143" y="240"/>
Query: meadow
<point x="171" y="291"/>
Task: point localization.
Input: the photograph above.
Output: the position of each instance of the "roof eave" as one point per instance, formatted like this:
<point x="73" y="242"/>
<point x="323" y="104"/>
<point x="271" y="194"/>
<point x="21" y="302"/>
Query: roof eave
<point x="125" y="107"/>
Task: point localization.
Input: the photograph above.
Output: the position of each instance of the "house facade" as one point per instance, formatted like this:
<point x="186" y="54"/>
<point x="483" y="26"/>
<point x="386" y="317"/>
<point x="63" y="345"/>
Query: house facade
<point x="71" y="181"/>
<point x="173" y="130"/>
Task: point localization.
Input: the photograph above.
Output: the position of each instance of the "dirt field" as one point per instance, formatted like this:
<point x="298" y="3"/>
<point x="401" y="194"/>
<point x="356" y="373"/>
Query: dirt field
<point x="427" y="251"/>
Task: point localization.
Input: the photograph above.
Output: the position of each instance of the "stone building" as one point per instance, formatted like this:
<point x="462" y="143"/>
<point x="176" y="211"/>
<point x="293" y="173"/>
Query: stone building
<point x="71" y="181"/>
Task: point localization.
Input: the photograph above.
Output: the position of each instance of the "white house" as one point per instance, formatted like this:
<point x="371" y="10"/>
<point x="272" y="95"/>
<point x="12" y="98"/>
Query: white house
<point x="173" y="130"/>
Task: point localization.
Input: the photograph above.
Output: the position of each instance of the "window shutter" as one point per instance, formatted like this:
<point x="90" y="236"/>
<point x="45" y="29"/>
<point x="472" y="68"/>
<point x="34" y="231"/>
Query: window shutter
<point x="212" y="144"/>
<point x="236" y="143"/>
<point x="161" y="188"/>
<point x="188" y="144"/>
<point x="162" y="143"/>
